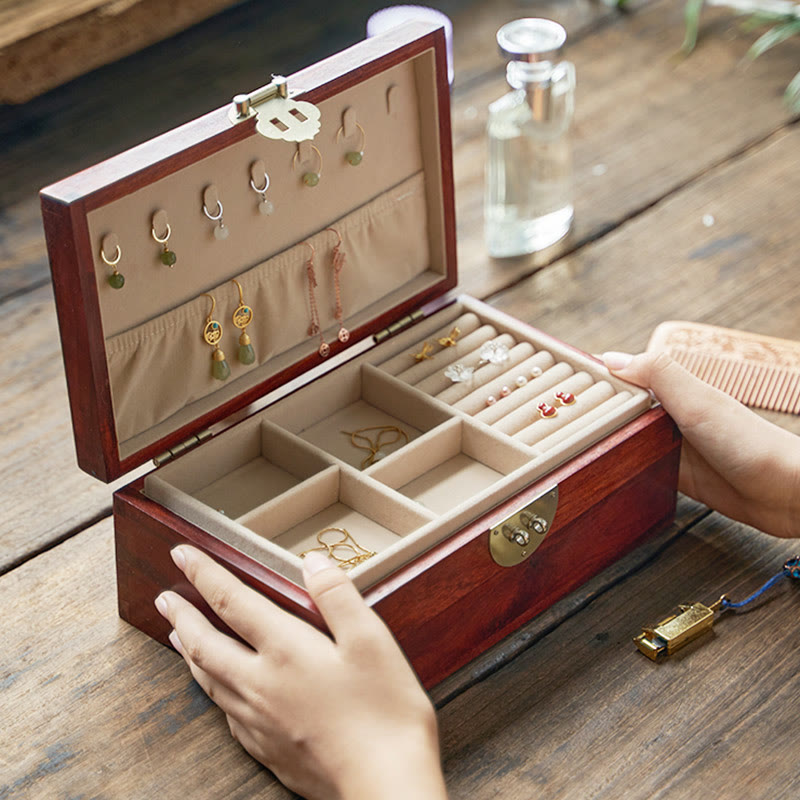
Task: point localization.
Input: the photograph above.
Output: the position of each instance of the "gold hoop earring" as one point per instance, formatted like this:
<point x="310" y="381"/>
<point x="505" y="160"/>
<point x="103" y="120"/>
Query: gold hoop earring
<point x="116" y="280"/>
<point x="167" y="256"/>
<point x="338" y="265"/>
<point x="310" y="178"/>
<point x="212" y="333"/>
<point x="242" y="317"/>
<point x="314" y="328"/>
<point x="354" y="157"/>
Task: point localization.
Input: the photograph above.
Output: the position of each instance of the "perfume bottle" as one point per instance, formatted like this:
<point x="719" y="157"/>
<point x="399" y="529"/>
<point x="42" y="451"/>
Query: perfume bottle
<point x="529" y="168"/>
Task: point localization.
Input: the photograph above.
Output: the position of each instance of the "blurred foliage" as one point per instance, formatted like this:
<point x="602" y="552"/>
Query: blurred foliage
<point x="782" y="26"/>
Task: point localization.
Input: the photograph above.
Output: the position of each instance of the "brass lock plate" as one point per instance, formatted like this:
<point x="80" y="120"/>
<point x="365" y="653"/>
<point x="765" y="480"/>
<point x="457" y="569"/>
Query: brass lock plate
<point x="514" y="539"/>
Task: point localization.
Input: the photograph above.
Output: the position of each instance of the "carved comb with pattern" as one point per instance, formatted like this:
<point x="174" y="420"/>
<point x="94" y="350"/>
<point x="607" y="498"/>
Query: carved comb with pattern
<point x="759" y="371"/>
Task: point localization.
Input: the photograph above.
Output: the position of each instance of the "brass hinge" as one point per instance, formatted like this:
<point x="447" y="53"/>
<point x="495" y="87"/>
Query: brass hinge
<point x="396" y="327"/>
<point x="181" y="447"/>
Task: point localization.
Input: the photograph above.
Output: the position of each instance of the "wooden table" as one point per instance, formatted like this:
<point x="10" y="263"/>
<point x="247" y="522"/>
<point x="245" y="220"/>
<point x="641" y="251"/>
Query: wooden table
<point x="566" y="708"/>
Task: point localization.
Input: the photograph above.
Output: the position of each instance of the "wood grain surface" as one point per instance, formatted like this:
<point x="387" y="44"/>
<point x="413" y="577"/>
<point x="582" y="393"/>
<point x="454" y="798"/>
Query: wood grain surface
<point x="566" y="708"/>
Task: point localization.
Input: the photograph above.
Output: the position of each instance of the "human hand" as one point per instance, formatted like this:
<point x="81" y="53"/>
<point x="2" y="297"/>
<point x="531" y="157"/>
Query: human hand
<point x="732" y="459"/>
<point x="332" y="718"/>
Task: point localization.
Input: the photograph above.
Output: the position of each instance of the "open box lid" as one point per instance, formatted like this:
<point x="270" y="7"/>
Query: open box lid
<point x="138" y="368"/>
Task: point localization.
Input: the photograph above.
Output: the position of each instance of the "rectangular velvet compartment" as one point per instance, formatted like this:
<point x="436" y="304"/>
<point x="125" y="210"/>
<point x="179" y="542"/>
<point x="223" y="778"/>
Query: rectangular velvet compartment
<point x="462" y="457"/>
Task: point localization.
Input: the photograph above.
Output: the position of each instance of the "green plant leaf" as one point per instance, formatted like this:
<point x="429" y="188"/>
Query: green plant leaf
<point x="761" y="18"/>
<point x="691" y="15"/>
<point x="792" y="94"/>
<point x="780" y="33"/>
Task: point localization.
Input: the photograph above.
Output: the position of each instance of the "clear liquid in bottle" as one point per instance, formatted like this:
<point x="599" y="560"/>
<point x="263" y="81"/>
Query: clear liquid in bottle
<point x="529" y="167"/>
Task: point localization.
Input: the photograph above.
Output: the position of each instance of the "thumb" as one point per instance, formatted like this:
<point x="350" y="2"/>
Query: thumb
<point x="332" y="591"/>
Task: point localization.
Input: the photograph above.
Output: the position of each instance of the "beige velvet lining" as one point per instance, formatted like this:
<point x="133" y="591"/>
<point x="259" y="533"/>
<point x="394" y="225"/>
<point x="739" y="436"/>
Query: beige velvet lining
<point x="172" y="348"/>
<point x="454" y="467"/>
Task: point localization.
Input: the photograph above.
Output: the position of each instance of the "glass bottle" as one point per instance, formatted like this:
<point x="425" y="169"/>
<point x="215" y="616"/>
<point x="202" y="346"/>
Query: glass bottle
<point x="529" y="168"/>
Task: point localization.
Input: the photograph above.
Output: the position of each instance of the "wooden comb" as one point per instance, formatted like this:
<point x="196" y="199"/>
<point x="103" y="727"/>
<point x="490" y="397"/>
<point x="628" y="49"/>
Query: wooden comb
<point x="759" y="371"/>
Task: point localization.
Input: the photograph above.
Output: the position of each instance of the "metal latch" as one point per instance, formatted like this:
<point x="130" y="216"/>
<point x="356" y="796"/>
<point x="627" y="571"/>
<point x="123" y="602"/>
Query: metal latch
<point x="279" y="115"/>
<point x="677" y="630"/>
<point x="181" y="447"/>
<point x="514" y="539"/>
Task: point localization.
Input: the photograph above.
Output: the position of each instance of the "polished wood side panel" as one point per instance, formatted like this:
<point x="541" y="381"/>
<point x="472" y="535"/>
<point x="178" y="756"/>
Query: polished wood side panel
<point x="79" y="324"/>
<point x="144" y="534"/>
<point x="451" y="603"/>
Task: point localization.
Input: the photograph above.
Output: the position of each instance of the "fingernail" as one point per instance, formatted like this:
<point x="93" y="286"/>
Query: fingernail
<point x="316" y="562"/>
<point x="161" y="605"/>
<point x="176" y="642"/>
<point x="179" y="557"/>
<point x="614" y="360"/>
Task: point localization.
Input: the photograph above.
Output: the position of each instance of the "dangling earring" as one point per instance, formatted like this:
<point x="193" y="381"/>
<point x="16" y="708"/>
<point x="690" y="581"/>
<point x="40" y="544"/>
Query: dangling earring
<point x="168" y="257"/>
<point x="242" y="317"/>
<point x="338" y="266"/>
<point x="265" y="206"/>
<point x="116" y="280"/>
<point x="354" y="157"/>
<point x="221" y="231"/>
<point x="314" y="328"/>
<point x="212" y="333"/>
<point x="310" y="178"/>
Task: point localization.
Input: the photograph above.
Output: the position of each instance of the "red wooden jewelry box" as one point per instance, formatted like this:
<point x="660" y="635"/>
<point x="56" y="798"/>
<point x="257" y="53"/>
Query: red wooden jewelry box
<point x="481" y="514"/>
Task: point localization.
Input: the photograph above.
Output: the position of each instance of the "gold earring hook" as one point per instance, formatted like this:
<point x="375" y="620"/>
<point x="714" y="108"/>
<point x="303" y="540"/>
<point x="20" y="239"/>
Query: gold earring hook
<point x="239" y="287"/>
<point x="213" y="304"/>
<point x="340" y="134"/>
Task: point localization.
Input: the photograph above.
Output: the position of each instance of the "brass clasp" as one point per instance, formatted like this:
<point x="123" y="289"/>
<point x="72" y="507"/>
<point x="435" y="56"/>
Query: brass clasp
<point x="279" y="115"/>
<point x="513" y="539"/>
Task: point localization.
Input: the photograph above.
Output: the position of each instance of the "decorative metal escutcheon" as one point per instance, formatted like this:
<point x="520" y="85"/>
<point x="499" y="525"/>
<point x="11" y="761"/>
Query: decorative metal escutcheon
<point x="514" y="539"/>
<point x="279" y="116"/>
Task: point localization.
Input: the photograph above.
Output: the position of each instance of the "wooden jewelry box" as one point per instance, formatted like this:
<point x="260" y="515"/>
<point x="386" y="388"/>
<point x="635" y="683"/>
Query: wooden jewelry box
<point x="260" y="301"/>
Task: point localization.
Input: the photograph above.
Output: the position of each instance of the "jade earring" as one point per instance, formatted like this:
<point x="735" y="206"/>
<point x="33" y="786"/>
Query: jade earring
<point x="242" y="317"/>
<point x="212" y="333"/>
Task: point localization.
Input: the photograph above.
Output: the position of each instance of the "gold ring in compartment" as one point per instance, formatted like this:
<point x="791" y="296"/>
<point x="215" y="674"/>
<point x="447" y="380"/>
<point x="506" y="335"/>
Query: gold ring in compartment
<point x="374" y="447"/>
<point x="346" y="551"/>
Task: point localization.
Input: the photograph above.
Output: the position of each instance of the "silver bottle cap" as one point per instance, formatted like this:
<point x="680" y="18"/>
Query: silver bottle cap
<point x="532" y="39"/>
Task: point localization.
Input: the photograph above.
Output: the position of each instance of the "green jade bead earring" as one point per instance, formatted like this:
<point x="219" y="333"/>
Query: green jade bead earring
<point x="354" y="157"/>
<point x="212" y="333"/>
<point x="167" y="256"/>
<point x="242" y="317"/>
<point x="116" y="280"/>
<point x="310" y="178"/>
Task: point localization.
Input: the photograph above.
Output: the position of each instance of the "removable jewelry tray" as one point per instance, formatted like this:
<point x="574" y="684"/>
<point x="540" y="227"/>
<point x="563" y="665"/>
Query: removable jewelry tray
<point x="463" y="457"/>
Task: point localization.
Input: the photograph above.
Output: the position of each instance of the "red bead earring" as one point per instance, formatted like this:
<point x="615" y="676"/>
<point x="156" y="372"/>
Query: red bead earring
<point x="546" y="410"/>
<point x="565" y="398"/>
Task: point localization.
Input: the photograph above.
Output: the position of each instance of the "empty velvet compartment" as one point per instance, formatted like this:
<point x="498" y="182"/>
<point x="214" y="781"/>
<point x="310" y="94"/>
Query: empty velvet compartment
<point x="336" y="498"/>
<point x="458" y="463"/>
<point x="347" y="401"/>
<point x="241" y="470"/>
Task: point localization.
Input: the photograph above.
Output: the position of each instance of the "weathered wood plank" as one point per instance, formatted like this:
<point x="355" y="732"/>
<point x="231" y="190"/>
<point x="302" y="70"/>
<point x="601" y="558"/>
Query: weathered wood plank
<point x="582" y="714"/>
<point x="667" y="264"/>
<point x="43" y="494"/>
<point x="649" y="124"/>
<point x="93" y="708"/>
